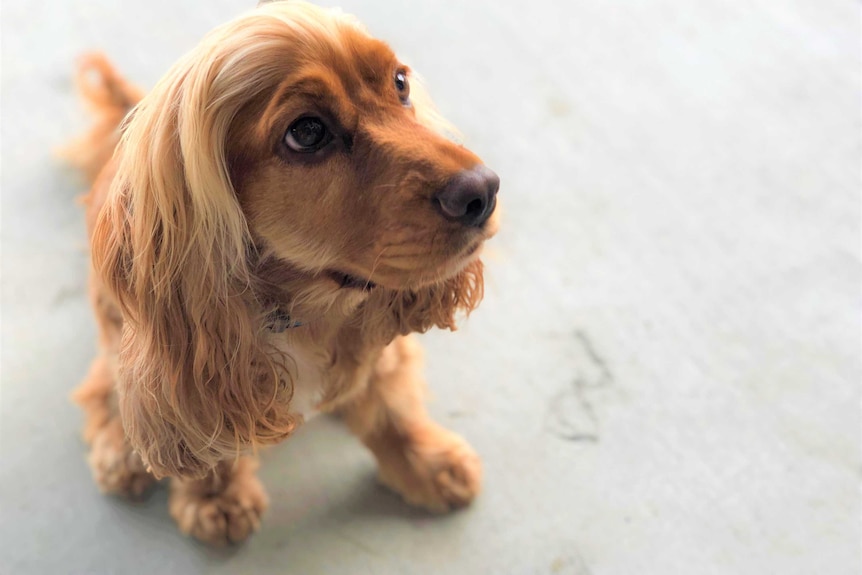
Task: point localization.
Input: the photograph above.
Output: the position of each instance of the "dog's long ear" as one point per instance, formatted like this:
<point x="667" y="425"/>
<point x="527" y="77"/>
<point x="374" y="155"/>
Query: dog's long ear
<point x="171" y="245"/>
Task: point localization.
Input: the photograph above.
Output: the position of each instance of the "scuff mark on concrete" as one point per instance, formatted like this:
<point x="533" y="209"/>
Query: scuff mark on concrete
<point x="571" y="415"/>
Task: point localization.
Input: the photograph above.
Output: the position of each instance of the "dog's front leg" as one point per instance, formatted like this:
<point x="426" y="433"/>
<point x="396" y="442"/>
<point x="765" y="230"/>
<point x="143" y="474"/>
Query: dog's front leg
<point x="428" y="465"/>
<point x="116" y="467"/>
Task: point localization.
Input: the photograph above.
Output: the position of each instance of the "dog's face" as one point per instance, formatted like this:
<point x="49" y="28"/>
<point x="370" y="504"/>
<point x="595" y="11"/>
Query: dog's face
<point x="339" y="175"/>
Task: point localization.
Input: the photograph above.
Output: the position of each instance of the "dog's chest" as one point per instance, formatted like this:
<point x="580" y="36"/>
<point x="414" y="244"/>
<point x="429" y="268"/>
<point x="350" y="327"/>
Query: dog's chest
<point x="308" y="371"/>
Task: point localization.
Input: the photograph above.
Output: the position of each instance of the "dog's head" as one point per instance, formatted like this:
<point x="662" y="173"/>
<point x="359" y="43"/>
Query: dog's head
<point x="288" y="148"/>
<point x="341" y="172"/>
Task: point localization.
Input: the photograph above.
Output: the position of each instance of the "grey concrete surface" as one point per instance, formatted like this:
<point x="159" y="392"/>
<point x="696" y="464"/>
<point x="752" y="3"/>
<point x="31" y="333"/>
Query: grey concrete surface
<point x="664" y="377"/>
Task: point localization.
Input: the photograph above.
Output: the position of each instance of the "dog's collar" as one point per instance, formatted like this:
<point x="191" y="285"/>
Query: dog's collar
<point x="279" y="320"/>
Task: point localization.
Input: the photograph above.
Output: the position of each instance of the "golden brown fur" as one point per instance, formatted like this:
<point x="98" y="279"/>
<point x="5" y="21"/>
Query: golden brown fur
<point x="203" y="226"/>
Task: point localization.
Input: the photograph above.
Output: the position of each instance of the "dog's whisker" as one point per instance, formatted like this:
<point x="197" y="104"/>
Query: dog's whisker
<point x="374" y="267"/>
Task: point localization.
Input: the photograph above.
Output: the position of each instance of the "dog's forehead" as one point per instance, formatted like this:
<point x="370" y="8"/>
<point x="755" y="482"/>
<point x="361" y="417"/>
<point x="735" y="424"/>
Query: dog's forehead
<point x="339" y="69"/>
<point x="361" y="60"/>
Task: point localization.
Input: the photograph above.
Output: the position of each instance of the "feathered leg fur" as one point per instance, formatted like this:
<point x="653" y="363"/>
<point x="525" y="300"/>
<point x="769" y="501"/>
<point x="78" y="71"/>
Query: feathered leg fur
<point x="427" y="464"/>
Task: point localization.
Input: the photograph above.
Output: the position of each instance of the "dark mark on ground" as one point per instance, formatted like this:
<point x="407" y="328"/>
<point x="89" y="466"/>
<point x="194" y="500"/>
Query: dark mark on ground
<point x="571" y="415"/>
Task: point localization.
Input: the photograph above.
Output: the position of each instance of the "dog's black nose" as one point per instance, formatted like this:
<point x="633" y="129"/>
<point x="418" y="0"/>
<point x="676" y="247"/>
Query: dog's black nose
<point x="470" y="196"/>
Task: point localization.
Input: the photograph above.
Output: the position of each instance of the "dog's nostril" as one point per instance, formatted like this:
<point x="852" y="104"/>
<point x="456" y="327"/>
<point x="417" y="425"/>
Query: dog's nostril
<point x="475" y="207"/>
<point x="468" y="197"/>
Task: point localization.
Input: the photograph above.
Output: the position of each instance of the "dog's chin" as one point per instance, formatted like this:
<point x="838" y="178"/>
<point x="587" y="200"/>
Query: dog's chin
<point x="458" y="264"/>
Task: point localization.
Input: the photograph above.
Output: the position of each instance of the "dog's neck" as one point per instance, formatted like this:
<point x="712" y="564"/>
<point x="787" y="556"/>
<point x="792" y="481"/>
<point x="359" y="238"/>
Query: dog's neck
<point x="318" y="308"/>
<point x="289" y="299"/>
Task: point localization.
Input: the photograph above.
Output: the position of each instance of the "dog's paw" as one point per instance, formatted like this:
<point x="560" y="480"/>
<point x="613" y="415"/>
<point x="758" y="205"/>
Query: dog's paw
<point x="228" y="516"/>
<point x="437" y="470"/>
<point x="117" y="468"/>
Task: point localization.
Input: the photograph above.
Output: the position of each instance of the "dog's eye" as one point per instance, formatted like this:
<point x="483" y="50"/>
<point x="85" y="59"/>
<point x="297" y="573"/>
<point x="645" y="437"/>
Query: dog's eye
<point x="307" y="134"/>
<point x="403" y="86"/>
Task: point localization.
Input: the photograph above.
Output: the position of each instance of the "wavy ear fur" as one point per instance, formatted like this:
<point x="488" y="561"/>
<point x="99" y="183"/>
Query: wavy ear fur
<point x="171" y="245"/>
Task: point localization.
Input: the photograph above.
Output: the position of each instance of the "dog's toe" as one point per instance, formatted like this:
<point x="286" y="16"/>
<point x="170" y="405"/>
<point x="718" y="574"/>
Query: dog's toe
<point x="458" y="482"/>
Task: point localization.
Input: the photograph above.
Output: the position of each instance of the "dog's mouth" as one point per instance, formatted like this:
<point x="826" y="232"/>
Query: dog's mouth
<point x="347" y="281"/>
<point x="473" y="249"/>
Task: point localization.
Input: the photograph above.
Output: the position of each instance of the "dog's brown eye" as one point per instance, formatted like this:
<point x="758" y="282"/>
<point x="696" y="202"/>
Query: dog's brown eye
<point x="307" y="134"/>
<point x="403" y="86"/>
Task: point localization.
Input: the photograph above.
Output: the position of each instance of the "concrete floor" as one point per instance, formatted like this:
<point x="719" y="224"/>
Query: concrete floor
<point x="664" y="377"/>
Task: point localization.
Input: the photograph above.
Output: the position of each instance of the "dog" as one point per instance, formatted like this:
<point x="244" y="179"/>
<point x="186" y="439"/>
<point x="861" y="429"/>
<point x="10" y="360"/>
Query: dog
<point x="268" y="226"/>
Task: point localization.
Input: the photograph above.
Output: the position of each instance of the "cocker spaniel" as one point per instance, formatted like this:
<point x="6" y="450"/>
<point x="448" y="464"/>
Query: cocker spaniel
<point x="268" y="225"/>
